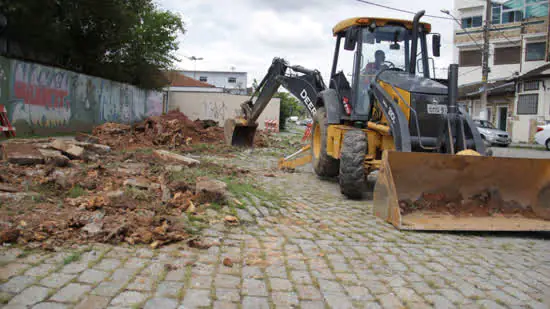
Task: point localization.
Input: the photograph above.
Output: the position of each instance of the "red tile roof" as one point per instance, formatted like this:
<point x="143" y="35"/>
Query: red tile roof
<point x="179" y="80"/>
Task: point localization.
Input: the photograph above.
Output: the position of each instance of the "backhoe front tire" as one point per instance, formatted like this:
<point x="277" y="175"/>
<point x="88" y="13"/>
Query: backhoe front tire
<point x="352" y="164"/>
<point x="323" y="164"/>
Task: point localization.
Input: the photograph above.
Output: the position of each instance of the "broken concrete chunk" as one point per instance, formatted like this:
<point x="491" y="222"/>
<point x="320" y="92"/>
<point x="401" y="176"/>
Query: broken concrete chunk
<point x="93" y="228"/>
<point x="22" y="154"/>
<point x="141" y="183"/>
<point x="54" y="157"/>
<point x="216" y="189"/>
<point x="73" y="151"/>
<point x="97" y="148"/>
<point x="167" y="155"/>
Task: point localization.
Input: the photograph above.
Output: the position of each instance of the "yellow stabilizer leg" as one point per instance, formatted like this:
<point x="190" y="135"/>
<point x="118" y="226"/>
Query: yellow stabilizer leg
<point x="295" y="160"/>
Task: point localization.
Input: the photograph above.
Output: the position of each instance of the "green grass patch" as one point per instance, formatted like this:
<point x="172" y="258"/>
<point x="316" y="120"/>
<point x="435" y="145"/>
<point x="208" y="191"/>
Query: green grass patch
<point x="75" y="256"/>
<point x="137" y="194"/>
<point x="76" y="191"/>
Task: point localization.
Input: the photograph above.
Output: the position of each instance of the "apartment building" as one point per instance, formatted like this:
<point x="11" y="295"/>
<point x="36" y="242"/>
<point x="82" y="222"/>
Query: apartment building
<point x="519" y="77"/>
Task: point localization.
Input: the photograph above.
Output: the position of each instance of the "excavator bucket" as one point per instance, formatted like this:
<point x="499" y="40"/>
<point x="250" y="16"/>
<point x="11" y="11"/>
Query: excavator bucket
<point x="238" y="133"/>
<point x="428" y="191"/>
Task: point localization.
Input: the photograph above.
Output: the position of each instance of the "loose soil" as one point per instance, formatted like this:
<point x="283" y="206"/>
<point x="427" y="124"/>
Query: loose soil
<point x="486" y="203"/>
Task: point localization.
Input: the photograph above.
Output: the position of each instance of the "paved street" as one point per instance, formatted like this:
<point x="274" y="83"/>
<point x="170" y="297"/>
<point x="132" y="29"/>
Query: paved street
<point x="310" y="248"/>
<point x="521" y="152"/>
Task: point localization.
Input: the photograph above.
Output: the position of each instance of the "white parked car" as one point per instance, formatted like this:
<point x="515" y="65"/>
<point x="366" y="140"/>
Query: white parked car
<point x="543" y="135"/>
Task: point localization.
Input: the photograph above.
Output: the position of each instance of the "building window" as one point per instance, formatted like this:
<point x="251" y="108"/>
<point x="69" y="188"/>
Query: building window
<point x="232" y="80"/>
<point x="203" y="79"/>
<point x="507" y="55"/>
<point x="536" y="8"/>
<point x="535" y="51"/>
<point x="528" y="104"/>
<point x="469" y="58"/>
<point x="516" y="10"/>
<point x="495" y="14"/>
<point x="470" y="22"/>
<point x="512" y="16"/>
<point x="531" y="85"/>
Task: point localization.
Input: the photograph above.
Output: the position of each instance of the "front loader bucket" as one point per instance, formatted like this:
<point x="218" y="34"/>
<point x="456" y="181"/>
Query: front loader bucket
<point x="428" y="191"/>
<point x="238" y="133"/>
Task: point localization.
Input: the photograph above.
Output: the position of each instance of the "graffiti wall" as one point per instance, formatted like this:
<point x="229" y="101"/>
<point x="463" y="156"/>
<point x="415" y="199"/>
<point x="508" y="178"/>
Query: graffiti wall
<point x="43" y="100"/>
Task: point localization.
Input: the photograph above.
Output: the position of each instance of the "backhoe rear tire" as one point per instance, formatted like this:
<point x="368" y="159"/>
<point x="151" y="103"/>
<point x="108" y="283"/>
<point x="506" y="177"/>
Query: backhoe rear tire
<point x="352" y="164"/>
<point x="323" y="164"/>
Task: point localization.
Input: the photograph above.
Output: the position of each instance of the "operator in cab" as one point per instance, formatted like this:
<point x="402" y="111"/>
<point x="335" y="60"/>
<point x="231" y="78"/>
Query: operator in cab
<point x="373" y="67"/>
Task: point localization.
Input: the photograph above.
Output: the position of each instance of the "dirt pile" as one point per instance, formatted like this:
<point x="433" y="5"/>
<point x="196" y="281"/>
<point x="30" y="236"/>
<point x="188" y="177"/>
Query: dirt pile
<point x="123" y="197"/>
<point x="487" y="202"/>
<point x="173" y="129"/>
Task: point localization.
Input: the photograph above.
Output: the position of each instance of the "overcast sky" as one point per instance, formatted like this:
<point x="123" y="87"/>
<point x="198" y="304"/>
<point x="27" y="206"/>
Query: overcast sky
<point x="247" y="34"/>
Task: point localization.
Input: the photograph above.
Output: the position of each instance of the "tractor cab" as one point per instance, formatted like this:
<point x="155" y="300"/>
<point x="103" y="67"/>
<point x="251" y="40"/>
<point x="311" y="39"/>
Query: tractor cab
<point x="386" y="49"/>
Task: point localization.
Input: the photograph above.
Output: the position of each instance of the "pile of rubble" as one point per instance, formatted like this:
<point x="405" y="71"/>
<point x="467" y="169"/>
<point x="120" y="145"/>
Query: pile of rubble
<point x="173" y="129"/>
<point x="55" y="192"/>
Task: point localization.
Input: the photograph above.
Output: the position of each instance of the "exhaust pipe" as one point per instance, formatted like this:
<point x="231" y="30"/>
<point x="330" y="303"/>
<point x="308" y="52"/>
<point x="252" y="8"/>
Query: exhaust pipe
<point x="414" y="45"/>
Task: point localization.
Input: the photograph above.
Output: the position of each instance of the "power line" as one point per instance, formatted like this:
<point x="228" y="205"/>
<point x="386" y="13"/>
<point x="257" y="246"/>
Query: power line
<point x="399" y="10"/>
<point x="464" y="73"/>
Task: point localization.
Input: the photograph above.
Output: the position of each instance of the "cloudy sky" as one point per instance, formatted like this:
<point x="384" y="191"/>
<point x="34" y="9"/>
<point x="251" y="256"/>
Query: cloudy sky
<point x="247" y="34"/>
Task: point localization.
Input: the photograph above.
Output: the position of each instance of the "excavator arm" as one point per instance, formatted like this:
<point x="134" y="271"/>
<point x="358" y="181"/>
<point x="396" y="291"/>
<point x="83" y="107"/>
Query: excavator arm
<point x="304" y="84"/>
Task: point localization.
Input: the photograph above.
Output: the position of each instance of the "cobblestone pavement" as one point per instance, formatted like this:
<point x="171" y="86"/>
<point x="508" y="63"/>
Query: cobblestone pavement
<point x="318" y="251"/>
<point x="521" y="152"/>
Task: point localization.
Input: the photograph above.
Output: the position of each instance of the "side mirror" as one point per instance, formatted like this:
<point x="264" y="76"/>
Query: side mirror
<point x="351" y="39"/>
<point x="436" y="45"/>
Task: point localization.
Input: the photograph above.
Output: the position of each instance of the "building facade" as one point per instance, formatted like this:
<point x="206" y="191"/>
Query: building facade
<point x="518" y="55"/>
<point x="231" y="81"/>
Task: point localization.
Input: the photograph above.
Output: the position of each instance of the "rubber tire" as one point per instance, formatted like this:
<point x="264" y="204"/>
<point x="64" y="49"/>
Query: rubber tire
<point x="324" y="165"/>
<point x="352" y="164"/>
<point x="547" y="144"/>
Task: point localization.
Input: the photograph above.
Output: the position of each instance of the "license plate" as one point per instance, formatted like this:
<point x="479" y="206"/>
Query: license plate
<point x="438" y="109"/>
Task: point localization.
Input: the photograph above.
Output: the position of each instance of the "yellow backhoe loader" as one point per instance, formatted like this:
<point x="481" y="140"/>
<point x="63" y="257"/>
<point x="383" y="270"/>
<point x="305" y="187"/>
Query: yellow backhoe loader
<point x="404" y="124"/>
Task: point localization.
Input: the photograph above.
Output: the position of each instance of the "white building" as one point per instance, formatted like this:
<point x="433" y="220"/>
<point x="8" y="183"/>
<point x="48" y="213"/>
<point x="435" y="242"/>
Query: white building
<point x="232" y="81"/>
<point x="518" y="58"/>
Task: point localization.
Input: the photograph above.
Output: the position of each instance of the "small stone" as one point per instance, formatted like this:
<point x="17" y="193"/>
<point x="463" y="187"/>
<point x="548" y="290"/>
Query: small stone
<point x="250" y="302"/>
<point x="244" y="216"/>
<point x="227" y="262"/>
<point x="93" y="228"/>
<point x="92" y="276"/>
<point x="56" y="280"/>
<point x="196" y="298"/>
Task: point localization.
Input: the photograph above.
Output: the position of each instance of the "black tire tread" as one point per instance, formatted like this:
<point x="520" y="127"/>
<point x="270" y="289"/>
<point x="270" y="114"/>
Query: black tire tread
<point x="352" y="171"/>
<point x="325" y="165"/>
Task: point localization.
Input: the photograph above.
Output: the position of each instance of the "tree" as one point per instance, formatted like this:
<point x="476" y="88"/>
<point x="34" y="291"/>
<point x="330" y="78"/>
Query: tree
<point x="130" y="41"/>
<point x="290" y="106"/>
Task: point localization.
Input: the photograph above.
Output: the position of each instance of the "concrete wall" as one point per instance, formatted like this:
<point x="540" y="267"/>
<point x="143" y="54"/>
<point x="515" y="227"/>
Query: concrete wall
<point x="217" y="106"/>
<point x="44" y="100"/>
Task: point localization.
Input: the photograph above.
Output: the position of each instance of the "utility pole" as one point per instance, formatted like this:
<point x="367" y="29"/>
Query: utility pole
<point x="485" y="57"/>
